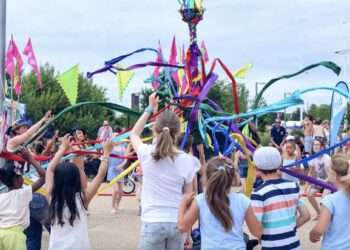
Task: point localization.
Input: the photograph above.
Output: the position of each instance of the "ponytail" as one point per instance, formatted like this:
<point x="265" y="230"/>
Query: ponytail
<point x="166" y="128"/>
<point x="220" y="175"/>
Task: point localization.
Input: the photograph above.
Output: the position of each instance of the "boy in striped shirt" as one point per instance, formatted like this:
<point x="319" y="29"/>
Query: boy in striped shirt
<point x="276" y="203"/>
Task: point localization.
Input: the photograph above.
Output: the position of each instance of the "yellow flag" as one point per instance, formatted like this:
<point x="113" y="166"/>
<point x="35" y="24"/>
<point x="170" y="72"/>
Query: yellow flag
<point x="242" y="72"/>
<point x="123" y="79"/>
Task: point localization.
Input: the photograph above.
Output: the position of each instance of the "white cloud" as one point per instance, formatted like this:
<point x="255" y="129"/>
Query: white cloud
<point x="278" y="37"/>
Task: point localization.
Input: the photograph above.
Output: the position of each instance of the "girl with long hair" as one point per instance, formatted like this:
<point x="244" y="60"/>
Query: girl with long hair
<point x="167" y="173"/>
<point x="69" y="198"/>
<point x="333" y="223"/>
<point x="221" y="212"/>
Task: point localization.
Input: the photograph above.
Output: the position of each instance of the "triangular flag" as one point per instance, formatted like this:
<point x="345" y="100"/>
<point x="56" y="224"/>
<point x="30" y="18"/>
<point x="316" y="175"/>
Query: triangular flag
<point x="156" y="72"/>
<point x="204" y="52"/>
<point x="123" y="79"/>
<point x="69" y="83"/>
<point x="173" y="52"/>
<point x="242" y="72"/>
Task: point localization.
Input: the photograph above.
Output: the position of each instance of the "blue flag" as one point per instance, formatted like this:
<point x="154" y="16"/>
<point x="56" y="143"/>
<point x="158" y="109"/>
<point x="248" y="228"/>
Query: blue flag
<point x="338" y="109"/>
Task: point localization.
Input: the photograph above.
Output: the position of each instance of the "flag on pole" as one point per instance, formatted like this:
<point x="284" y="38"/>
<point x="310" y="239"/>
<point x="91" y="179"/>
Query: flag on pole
<point x="338" y="109"/>
<point x="123" y="80"/>
<point x="173" y="53"/>
<point x="29" y="52"/>
<point x="69" y="83"/>
<point x="13" y="65"/>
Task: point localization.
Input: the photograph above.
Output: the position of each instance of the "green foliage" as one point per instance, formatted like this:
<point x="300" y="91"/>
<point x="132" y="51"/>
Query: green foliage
<point x="221" y="93"/>
<point x="322" y="112"/>
<point x="51" y="97"/>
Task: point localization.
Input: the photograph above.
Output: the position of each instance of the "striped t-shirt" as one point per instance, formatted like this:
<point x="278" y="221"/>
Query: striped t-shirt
<point x="275" y="203"/>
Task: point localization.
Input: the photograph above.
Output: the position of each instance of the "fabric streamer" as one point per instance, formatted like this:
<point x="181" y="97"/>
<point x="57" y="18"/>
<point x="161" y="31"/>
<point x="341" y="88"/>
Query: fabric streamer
<point x="29" y="52"/>
<point x="330" y="65"/>
<point x="242" y="72"/>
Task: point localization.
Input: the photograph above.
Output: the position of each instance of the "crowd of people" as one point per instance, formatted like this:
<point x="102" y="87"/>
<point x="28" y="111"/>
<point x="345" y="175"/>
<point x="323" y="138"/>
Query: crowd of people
<point x="179" y="190"/>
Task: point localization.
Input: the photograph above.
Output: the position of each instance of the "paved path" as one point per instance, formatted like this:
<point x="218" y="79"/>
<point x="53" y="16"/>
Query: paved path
<point x="121" y="231"/>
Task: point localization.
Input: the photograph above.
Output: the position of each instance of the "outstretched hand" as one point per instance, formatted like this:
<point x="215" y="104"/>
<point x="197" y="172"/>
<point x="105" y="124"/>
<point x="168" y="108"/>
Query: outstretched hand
<point x="153" y="101"/>
<point x="66" y="142"/>
<point x="108" y="147"/>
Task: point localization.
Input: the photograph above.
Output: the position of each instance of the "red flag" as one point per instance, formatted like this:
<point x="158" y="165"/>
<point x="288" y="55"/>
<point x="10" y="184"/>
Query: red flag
<point x="173" y="52"/>
<point x="204" y="52"/>
<point x="156" y="71"/>
<point x="29" y="52"/>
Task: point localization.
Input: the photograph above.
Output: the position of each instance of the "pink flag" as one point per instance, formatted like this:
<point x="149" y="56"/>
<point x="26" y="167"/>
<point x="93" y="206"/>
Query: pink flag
<point x="13" y="65"/>
<point x="183" y="55"/>
<point x="156" y="71"/>
<point x="29" y="52"/>
<point x="173" y="52"/>
<point x="10" y="61"/>
<point x="204" y="52"/>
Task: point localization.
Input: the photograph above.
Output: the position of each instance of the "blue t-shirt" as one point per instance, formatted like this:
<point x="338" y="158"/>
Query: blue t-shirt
<point x="278" y="134"/>
<point x="213" y="234"/>
<point x="337" y="236"/>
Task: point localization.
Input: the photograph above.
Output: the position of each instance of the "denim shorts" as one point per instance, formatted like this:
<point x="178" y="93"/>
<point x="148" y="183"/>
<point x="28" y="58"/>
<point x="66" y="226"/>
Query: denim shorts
<point x="161" y="236"/>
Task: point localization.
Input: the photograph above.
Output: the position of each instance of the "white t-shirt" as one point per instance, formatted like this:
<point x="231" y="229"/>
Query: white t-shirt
<point x="69" y="237"/>
<point x="163" y="183"/>
<point x="14" y="207"/>
<point x="322" y="165"/>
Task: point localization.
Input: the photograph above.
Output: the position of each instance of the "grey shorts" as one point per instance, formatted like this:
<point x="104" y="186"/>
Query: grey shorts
<point x="308" y="143"/>
<point x="161" y="236"/>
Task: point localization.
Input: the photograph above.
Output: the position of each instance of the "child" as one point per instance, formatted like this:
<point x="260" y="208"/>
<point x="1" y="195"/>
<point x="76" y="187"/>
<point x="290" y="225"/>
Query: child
<point x="333" y="223"/>
<point x="221" y="212"/>
<point x="242" y="162"/>
<point x="290" y="155"/>
<point x="14" y="205"/>
<point x="167" y="174"/>
<point x="69" y="199"/>
<point x="319" y="168"/>
<point x="276" y="203"/>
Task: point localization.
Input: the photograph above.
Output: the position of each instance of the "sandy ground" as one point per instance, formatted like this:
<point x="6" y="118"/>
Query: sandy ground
<point x="121" y="231"/>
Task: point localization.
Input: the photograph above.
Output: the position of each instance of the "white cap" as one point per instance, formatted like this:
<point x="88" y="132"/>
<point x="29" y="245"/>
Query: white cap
<point x="290" y="138"/>
<point x="267" y="158"/>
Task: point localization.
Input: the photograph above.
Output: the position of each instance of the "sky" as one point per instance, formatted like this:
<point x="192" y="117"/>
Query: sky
<point x="277" y="37"/>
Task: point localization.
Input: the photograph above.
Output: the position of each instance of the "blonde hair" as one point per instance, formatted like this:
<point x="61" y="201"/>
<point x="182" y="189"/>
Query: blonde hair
<point x="167" y="127"/>
<point x="341" y="166"/>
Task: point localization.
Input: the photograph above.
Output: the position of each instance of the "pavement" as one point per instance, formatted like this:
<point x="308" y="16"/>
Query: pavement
<point x="121" y="231"/>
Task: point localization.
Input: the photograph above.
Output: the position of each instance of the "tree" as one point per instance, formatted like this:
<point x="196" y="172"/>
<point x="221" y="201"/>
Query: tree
<point x="52" y="97"/>
<point x="221" y="93"/>
<point x="321" y="112"/>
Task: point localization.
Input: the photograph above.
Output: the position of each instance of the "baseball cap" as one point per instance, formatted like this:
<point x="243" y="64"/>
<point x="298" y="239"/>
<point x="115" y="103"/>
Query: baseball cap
<point x="290" y="138"/>
<point x="267" y="158"/>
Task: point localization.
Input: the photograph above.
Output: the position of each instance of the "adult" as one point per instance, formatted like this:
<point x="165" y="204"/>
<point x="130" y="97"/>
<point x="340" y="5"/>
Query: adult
<point x="105" y="132"/>
<point x="325" y="126"/>
<point x="278" y="134"/>
<point x="167" y="173"/>
<point x="308" y="128"/>
<point x="22" y="130"/>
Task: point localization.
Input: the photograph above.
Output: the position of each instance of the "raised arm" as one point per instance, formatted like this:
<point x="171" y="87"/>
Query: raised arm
<point x="93" y="187"/>
<point x="41" y="172"/>
<point x="19" y="139"/>
<point x="54" y="163"/>
<point x="135" y="134"/>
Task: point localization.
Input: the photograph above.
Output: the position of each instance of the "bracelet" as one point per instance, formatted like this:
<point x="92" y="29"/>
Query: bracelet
<point x="104" y="158"/>
<point x="149" y="110"/>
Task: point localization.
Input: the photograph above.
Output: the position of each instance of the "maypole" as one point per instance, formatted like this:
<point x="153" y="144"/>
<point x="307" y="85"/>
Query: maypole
<point x="2" y="71"/>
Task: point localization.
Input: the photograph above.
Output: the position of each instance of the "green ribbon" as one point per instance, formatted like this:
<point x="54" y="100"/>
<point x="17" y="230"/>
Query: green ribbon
<point x="330" y="65"/>
<point x="109" y="105"/>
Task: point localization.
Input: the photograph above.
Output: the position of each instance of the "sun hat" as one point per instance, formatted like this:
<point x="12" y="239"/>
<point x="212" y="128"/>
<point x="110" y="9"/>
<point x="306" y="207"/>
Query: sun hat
<point x="267" y="158"/>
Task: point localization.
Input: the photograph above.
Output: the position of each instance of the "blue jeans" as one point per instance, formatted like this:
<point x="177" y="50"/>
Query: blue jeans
<point x="161" y="236"/>
<point x="34" y="233"/>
